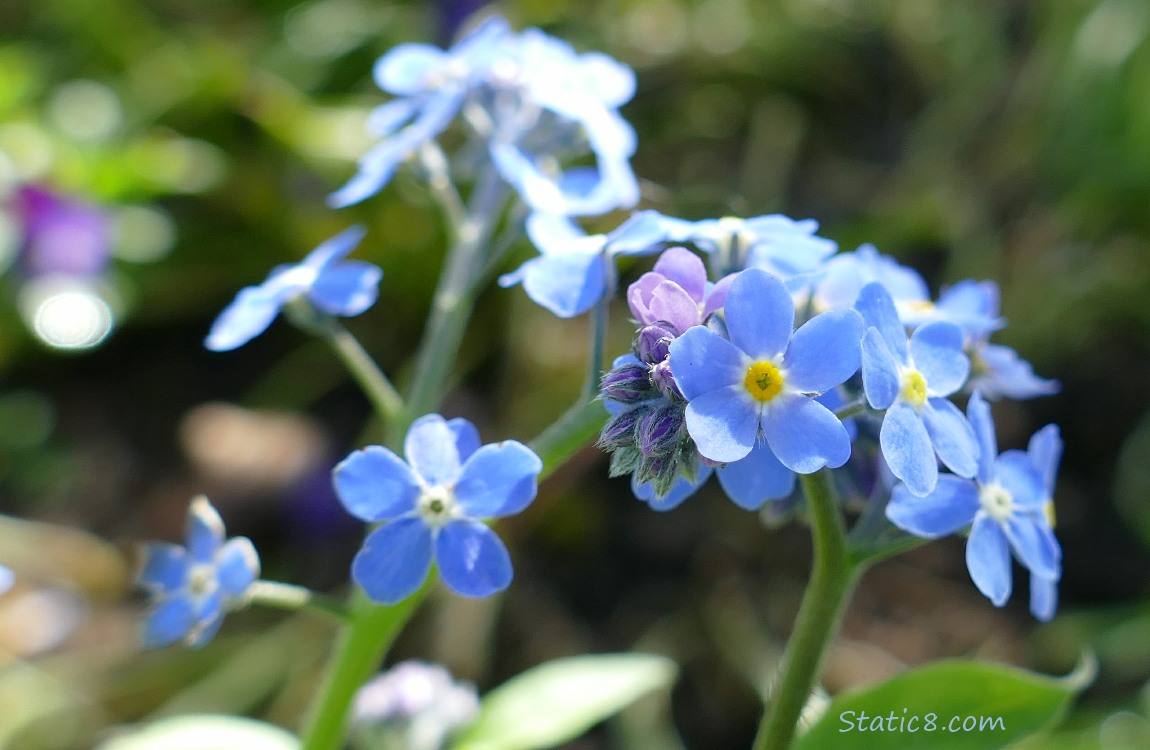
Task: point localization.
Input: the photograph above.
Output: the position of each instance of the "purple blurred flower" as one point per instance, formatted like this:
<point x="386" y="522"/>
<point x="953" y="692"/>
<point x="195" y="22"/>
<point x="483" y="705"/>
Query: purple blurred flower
<point x="62" y="236"/>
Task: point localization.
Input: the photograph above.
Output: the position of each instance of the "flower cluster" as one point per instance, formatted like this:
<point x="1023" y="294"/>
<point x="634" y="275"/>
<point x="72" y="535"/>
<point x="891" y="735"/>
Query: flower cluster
<point x="532" y="102"/>
<point x="194" y="585"/>
<point x="433" y="505"/>
<point x="740" y="378"/>
<point x="412" y="706"/>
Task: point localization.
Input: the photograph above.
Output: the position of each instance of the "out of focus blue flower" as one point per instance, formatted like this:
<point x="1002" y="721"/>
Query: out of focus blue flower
<point x="533" y="102"/>
<point x="412" y="706"/>
<point x="7" y="578"/>
<point x="971" y="305"/>
<point x="194" y="585"/>
<point x="911" y="381"/>
<point x="1005" y="507"/>
<point x="757" y="386"/>
<point x="575" y="270"/>
<point x="62" y="236"/>
<point x="842" y="278"/>
<point x="433" y="504"/>
<point x="344" y="288"/>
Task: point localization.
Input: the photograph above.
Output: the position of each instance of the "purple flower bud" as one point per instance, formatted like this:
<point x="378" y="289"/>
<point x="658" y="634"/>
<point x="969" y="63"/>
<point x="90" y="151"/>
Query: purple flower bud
<point x="628" y="383"/>
<point x="653" y="342"/>
<point x="659" y="429"/>
<point x="619" y="431"/>
<point x="664" y="380"/>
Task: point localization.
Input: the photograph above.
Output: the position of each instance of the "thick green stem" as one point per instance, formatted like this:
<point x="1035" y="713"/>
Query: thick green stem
<point x="598" y="338"/>
<point x="361" y="646"/>
<point x="832" y="580"/>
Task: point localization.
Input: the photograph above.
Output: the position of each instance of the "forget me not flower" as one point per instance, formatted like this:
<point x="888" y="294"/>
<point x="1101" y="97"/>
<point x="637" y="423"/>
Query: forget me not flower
<point x="412" y="706"/>
<point x="575" y="270"/>
<point x="842" y="278"/>
<point x="1006" y="508"/>
<point x="432" y="504"/>
<point x="194" y="585"/>
<point x="758" y="385"/>
<point x="911" y="381"/>
<point x="323" y="278"/>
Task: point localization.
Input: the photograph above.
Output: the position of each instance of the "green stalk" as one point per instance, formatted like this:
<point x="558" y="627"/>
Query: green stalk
<point x="598" y="338"/>
<point x="578" y="426"/>
<point x="386" y="401"/>
<point x="832" y="580"/>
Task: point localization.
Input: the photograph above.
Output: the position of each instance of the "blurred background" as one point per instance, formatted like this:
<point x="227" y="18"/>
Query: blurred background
<point x="157" y="155"/>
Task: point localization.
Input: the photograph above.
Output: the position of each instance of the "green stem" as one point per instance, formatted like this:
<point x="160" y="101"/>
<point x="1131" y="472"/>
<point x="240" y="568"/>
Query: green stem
<point x="570" y="433"/>
<point x="832" y="580"/>
<point x="386" y="401"/>
<point x="598" y="337"/>
<point x="292" y="597"/>
<point x="361" y="647"/>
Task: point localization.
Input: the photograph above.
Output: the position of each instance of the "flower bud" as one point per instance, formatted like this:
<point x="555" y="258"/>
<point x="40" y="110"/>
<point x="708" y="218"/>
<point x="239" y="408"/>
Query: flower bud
<point x="659" y="429"/>
<point x="652" y="344"/>
<point x="628" y="383"/>
<point x="620" y="430"/>
<point x="664" y="380"/>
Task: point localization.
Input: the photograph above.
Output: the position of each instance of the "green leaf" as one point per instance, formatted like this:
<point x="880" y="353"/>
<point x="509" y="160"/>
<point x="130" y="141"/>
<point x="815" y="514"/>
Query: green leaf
<point x="948" y="705"/>
<point x="205" y="732"/>
<point x="559" y="700"/>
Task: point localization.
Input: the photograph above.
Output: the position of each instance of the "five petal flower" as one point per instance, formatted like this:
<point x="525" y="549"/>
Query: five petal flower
<point x="194" y="585"/>
<point x="433" y="504"/>
<point x="759" y="383"/>
<point x="911" y="381"/>
<point x="1005" y="507"/>
<point x="337" y="288"/>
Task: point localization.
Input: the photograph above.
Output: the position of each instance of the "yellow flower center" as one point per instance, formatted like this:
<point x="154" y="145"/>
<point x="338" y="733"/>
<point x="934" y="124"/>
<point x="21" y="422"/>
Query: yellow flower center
<point x="913" y="388"/>
<point x="763" y="381"/>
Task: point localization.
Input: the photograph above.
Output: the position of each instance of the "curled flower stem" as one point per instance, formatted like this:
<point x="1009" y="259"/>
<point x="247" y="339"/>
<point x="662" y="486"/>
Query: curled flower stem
<point x="292" y="597"/>
<point x="385" y="399"/>
<point x="362" y="644"/>
<point x="832" y="580"/>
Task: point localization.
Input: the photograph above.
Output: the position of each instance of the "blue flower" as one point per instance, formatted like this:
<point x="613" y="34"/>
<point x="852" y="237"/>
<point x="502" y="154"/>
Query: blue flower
<point x="335" y="288"/>
<point x="575" y="270"/>
<point x="758" y="385"/>
<point x="431" y="85"/>
<point x="432" y="505"/>
<point x="414" y="705"/>
<point x="1006" y="507"/>
<point x="7" y="578"/>
<point x="842" y="278"/>
<point x="911" y="381"/>
<point x="194" y="585"/>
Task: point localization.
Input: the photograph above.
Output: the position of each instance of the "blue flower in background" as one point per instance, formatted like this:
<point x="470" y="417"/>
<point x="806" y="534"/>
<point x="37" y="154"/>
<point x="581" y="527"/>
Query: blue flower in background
<point x="432" y="505"/>
<point x="575" y="270"/>
<point x="194" y="585"/>
<point x="759" y="383"/>
<point x="7" y="578"/>
<point x="1006" y="507"/>
<point x="331" y="286"/>
<point x="911" y="381"/>
<point x="842" y="278"/>
<point x="431" y="86"/>
<point x="971" y="305"/>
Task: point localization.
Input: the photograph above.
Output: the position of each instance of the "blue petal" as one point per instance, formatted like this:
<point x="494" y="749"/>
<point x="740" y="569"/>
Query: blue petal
<point x="723" y="423"/>
<point x="169" y="621"/>
<point x="432" y="451"/>
<point x="204" y="532"/>
<point x="165" y="567"/>
<point x="981" y="420"/>
<point x="334" y="249"/>
<point x="988" y="560"/>
<point x="877" y="308"/>
<point x="385" y="119"/>
<point x="237" y="567"/>
<point x="374" y="484"/>
<point x="1006" y="374"/>
<point x="1043" y="598"/>
<point x="824" y="352"/>
<point x="209" y="617"/>
<point x="347" y="289"/>
<point x="552" y="233"/>
<point x="569" y="284"/>
<point x="952" y="436"/>
<point x="1015" y="471"/>
<point x="406" y="68"/>
<point x="760" y="314"/>
<point x="611" y="81"/>
<point x="374" y="170"/>
<point x="936" y="349"/>
<point x="498" y="480"/>
<point x="949" y="507"/>
<point x="394" y="560"/>
<point x="472" y="560"/>
<point x="805" y="435"/>
<point x="249" y="315"/>
<point x="1034" y="544"/>
<point x="703" y="361"/>
<point x="907" y="449"/>
<point x="879" y="370"/>
<point x="1045" y="451"/>
<point x="682" y="489"/>
<point x="756" y="479"/>
<point x="466" y="437"/>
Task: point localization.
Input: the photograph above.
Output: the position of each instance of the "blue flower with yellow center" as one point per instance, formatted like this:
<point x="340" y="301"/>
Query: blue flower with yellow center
<point x="757" y="387"/>
<point x="911" y="380"/>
